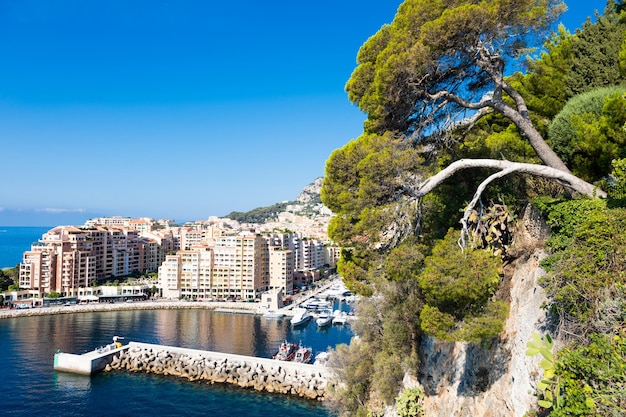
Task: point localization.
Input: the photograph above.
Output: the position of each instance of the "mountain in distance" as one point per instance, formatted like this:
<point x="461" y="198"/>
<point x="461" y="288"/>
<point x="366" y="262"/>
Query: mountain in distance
<point x="308" y="204"/>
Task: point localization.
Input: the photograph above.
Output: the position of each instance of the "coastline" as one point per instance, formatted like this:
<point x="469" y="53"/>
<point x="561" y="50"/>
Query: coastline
<point x="232" y="306"/>
<point x="139" y="305"/>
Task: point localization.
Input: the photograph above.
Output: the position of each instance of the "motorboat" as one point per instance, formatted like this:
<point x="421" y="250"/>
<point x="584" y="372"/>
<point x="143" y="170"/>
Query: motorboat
<point x="286" y="351"/>
<point x="324" y="318"/>
<point x="322" y="359"/>
<point x="300" y="316"/>
<point x="316" y="304"/>
<point x="273" y="314"/>
<point x="303" y="355"/>
<point x="339" y="317"/>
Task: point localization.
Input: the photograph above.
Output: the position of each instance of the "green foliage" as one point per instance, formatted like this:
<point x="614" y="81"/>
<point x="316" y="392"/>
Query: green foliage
<point x="587" y="266"/>
<point x="388" y="329"/>
<point x="588" y="133"/>
<point x="260" y="214"/>
<point x="550" y="385"/>
<point x="459" y="282"/>
<point x="8" y="278"/>
<point x="431" y="46"/>
<point x="410" y="403"/>
<point x="53" y="294"/>
<point x="595" y="55"/>
<point x="354" y="366"/>
<point x="544" y="85"/>
<point x="458" y="288"/>
<point x="593" y="377"/>
<point x="406" y="261"/>
<point x="616" y="184"/>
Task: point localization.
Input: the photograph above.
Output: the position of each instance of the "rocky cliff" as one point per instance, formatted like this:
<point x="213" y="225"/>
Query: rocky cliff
<point x="468" y="380"/>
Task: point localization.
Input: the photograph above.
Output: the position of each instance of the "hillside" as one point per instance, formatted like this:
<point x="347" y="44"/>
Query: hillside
<point x="307" y="204"/>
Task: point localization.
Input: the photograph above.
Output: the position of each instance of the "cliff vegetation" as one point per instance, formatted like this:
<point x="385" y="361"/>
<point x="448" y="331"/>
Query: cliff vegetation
<point x="428" y="202"/>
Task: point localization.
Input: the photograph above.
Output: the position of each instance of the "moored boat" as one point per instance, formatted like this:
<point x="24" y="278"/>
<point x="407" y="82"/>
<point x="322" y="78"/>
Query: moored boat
<point x="325" y="318"/>
<point x="339" y="317"/>
<point x="273" y="314"/>
<point x="301" y="316"/>
<point x="286" y="351"/>
<point x="303" y="355"/>
<point x="316" y="304"/>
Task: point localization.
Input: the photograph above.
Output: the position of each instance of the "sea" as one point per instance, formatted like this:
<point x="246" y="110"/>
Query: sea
<point x="15" y="240"/>
<point x="32" y="387"/>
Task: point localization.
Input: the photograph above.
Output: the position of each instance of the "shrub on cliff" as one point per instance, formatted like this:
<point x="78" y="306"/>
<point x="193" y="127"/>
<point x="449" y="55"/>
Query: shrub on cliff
<point x="585" y="273"/>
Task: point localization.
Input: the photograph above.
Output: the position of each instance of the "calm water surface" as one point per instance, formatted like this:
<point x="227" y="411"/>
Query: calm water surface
<point x="31" y="386"/>
<point x="14" y="241"/>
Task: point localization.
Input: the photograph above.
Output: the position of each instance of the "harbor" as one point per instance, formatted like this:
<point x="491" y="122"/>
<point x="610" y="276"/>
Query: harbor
<point x="293" y="373"/>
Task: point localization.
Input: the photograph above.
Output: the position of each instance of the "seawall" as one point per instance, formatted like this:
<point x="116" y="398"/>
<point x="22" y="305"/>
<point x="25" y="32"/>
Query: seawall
<point x="261" y="374"/>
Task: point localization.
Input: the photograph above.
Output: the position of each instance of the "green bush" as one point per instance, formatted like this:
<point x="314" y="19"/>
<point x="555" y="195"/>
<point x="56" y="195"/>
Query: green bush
<point x="459" y="288"/>
<point x="593" y="377"/>
<point x="587" y="267"/>
<point x="410" y="403"/>
<point x="587" y="134"/>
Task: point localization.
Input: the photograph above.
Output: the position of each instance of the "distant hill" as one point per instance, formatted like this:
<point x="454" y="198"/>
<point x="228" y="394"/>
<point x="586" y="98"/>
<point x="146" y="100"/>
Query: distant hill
<point x="260" y="214"/>
<point x="308" y="204"/>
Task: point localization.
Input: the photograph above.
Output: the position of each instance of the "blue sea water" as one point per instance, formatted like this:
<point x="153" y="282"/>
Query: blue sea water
<point x="32" y="387"/>
<point x="14" y="241"/>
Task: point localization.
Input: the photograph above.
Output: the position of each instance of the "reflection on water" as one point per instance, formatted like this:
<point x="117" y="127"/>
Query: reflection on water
<point x="29" y="344"/>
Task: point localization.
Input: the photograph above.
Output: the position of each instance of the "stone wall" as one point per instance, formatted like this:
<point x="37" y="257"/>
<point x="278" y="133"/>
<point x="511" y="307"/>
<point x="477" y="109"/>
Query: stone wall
<point x="303" y="380"/>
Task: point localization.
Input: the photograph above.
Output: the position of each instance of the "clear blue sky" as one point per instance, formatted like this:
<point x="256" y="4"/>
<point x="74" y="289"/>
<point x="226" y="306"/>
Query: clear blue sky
<point x="176" y="109"/>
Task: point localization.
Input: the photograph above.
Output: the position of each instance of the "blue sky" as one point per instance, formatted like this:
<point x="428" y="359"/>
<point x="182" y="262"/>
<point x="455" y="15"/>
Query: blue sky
<point x="176" y="109"/>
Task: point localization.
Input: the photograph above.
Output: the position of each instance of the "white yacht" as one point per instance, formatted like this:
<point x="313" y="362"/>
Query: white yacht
<point x="300" y="316"/>
<point x="273" y="314"/>
<point x="339" y="317"/>
<point x="324" y="318"/>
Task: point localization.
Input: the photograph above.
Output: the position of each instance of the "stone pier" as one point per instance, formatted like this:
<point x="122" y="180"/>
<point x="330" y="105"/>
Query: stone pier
<point x="303" y="380"/>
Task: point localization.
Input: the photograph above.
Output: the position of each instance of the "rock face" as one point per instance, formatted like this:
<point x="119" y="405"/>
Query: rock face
<point x="310" y="193"/>
<point x="467" y="380"/>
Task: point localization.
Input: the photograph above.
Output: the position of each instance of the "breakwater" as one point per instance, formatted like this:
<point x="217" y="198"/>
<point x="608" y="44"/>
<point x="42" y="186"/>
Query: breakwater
<point x="303" y="380"/>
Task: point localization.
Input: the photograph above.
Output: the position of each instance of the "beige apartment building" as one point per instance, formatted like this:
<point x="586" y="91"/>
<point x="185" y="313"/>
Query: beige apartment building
<point x="187" y="274"/>
<point x="232" y="267"/>
<point x="281" y="262"/>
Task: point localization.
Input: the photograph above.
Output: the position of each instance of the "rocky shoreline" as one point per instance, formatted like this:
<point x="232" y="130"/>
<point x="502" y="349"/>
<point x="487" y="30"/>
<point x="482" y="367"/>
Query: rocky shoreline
<point x="141" y="305"/>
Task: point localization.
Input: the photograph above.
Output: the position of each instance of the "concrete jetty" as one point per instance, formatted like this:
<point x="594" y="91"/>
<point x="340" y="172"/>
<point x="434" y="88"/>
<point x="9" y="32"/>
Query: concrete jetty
<point x="262" y="374"/>
<point x="88" y="363"/>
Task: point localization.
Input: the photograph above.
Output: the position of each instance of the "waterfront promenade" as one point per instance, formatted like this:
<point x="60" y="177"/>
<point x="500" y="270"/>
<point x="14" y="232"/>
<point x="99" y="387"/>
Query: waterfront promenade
<point x="162" y="305"/>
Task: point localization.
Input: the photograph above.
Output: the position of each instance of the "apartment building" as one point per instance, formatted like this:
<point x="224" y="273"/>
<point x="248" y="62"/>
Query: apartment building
<point x="281" y="267"/>
<point x="231" y="267"/>
<point x="61" y="262"/>
<point x="187" y="274"/>
<point x="240" y="266"/>
<point x="67" y="258"/>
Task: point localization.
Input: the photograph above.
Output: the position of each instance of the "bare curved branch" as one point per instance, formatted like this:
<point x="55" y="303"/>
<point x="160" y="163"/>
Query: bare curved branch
<point x="565" y="178"/>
